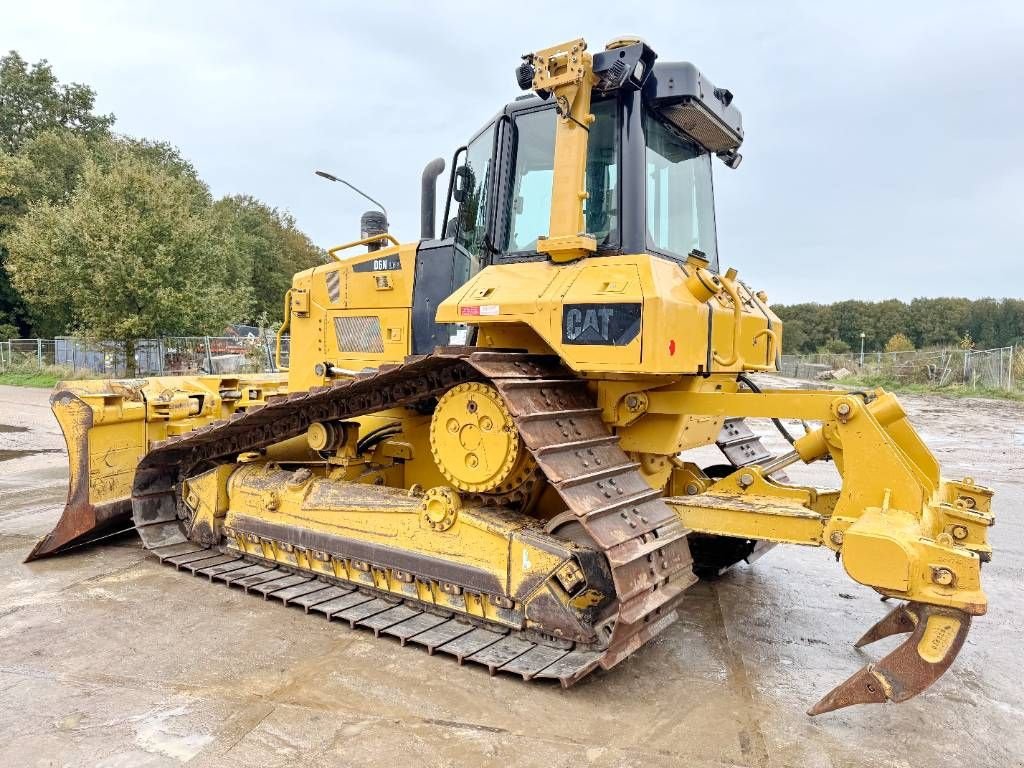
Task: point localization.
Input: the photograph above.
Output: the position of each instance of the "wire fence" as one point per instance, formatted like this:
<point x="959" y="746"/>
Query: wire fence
<point x="173" y="355"/>
<point x="1000" y="368"/>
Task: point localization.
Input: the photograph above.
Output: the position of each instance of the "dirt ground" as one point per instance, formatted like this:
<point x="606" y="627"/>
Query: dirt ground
<point x="109" y="659"/>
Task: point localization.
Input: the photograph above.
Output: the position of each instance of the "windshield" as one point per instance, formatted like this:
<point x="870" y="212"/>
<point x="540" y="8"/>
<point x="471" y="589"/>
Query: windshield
<point x="530" y="214"/>
<point x="680" y="197"/>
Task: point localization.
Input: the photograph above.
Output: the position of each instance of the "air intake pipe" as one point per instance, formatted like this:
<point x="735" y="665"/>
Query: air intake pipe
<point x="428" y="198"/>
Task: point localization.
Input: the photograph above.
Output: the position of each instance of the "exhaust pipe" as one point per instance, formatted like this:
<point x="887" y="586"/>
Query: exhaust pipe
<point x="428" y="197"/>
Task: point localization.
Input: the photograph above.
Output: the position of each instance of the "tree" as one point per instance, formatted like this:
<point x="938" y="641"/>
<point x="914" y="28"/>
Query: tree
<point x="47" y="167"/>
<point x="132" y="254"/>
<point x="834" y="347"/>
<point x="270" y="244"/>
<point x="33" y="101"/>
<point x="44" y="127"/>
<point x="898" y="342"/>
<point x="924" y="322"/>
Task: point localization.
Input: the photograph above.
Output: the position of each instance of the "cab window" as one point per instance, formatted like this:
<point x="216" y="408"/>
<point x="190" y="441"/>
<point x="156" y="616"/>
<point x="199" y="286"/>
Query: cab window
<point x="471" y="231"/>
<point x="530" y="203"/>
<point x="680" y="194"/>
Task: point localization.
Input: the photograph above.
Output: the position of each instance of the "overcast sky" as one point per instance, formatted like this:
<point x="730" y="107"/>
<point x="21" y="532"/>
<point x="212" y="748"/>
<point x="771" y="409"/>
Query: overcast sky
<point x="882" y="153"/>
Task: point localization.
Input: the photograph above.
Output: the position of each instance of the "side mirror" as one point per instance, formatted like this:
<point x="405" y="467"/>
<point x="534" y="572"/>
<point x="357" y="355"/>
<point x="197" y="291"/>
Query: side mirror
<point x="463" y="183"/>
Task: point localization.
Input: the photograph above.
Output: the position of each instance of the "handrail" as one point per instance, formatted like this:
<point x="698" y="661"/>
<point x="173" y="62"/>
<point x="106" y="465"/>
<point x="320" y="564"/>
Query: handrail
<point x="773" y="345"/>
<point x="364" y="241"/>
<point x="737" y="317"/>
<point x="280" y="331"/>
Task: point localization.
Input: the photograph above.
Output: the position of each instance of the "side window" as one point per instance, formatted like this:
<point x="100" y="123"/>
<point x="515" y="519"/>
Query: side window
<point x="472" y="213"/>
<point x="680" y="193"/>
<point x="602" y="206"/>
<point x="530" y="206"/>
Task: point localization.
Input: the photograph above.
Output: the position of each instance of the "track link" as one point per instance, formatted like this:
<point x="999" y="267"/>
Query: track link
<point x="497" y="648"/>
<point x="605" y="495"/>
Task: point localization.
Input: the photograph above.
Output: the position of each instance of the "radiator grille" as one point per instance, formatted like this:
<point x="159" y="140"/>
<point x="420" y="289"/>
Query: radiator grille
<point x="358" y="334"/>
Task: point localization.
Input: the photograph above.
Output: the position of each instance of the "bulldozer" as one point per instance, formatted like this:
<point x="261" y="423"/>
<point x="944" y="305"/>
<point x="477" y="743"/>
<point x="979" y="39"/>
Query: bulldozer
<point x="481" y="442"/>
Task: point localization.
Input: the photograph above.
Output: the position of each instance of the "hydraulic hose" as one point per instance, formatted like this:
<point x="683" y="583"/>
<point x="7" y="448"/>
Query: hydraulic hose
<point x="777" y="422"/>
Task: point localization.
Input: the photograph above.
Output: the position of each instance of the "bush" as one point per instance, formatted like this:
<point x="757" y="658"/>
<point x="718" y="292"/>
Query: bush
<point x="899" y="343"/>
<point x="834" y="347"/>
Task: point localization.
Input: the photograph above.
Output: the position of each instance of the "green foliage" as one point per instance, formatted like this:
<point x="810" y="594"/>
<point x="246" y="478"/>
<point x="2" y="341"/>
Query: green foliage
<point x="131" y="254"/>
<point x="44" y="129"/>
<point x="35" y="378"/>
<point x="271" y="246"/>
<point x="924" y="322"/>
<point x="118" y="236"/>
<point x="898" y="342"/>
<point x="33" y="101"/>
<point x="896" y="384"/>
<point x="834" y="347"/>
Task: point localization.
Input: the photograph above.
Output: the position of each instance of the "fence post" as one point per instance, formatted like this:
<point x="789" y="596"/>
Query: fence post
<point x="39" y="352"/>
<point x="270" y="355"/>
<point x="1009" y="369"/>
<point x="209" y="356"/>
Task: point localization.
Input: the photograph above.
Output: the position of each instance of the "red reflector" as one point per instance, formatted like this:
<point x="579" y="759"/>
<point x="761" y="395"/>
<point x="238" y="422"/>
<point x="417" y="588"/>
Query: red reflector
<point x="672" y="346"/>
<point x="469" y="310"/>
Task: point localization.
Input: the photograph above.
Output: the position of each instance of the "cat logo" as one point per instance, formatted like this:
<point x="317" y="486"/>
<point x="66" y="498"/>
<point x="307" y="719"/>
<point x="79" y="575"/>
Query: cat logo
<point x="607" y="324"/>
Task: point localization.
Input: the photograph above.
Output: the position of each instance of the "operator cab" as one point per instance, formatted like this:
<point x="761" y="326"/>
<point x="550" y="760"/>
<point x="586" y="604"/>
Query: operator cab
<point x="648" y="178"/>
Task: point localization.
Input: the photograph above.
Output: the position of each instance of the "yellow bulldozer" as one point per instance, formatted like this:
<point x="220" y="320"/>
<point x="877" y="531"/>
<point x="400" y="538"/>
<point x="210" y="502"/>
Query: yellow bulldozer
<point x="480" y="441"/>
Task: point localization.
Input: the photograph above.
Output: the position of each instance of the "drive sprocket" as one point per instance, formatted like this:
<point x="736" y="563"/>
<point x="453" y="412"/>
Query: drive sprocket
<point x="476" y="444"/>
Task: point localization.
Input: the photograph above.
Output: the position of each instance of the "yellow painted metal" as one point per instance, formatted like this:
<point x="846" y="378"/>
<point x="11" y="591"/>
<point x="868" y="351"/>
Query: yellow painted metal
<point x="109" y="425"/>
<point x="758" y="517"/>
<point x="363" y="241"/>
<point x="474" y="441"/>
<point x="896" y="523"/>
<point x="375" y="304"/>
<point x="737" y="320"/>
<point x="939" y="634"/>
<point x="207" y="498"/>
<point x="565" y="72"/>
<point x="892" y="522"/>
<point x="674" y="337"/>
<point x="436" y="527"/>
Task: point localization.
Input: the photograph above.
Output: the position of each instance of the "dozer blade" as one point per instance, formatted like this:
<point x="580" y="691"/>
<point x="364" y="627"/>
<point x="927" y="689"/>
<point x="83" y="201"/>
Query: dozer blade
<point x="105" y="440"/>
<point x="936" y="637"/>
<point x="108" y="426"/>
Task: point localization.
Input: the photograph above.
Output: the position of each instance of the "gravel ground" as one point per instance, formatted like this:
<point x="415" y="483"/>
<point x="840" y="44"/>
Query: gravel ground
<point x="109" y="659"/>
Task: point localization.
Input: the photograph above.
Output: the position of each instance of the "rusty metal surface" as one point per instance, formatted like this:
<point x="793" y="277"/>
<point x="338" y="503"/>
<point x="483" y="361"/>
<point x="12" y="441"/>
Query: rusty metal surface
<point x="904" y="672"/>
<point x="519" y="653"/>
<point x="81" y="521"/>
<point x="622" y="518"/>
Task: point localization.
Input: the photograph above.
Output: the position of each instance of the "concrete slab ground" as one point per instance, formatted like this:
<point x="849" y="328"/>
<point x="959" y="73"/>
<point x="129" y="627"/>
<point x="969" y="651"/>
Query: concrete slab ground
<point x="109" y="659"/>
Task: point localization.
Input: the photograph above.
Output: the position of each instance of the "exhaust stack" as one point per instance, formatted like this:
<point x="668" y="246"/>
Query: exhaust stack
<point x="428" y="197"/>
